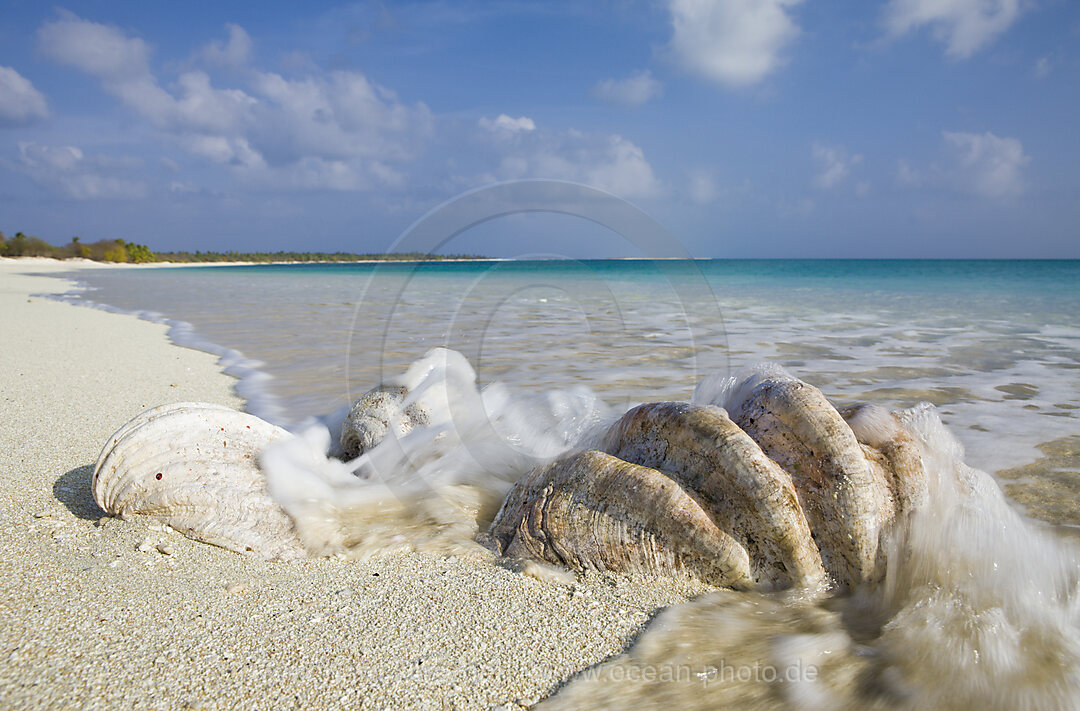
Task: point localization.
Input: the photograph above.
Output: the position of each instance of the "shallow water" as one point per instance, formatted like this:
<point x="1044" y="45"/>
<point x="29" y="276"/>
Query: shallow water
<point x="980" y="606"/>
<point x="996" y="345"/>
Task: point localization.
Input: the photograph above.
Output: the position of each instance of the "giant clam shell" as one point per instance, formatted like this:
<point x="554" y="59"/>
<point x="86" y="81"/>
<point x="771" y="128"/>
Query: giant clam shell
<point x="571" y="511"/>
<point x="785" y="483"/>
<point x="745" y="492"/>
<point x="372" y="416"/>
<point x="799" y="429"/>
<point x="194" y="466"/>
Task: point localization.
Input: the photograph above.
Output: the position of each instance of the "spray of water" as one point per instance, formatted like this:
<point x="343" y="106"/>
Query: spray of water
<point x="436" y="487"/>
<point x="979" y="607"/>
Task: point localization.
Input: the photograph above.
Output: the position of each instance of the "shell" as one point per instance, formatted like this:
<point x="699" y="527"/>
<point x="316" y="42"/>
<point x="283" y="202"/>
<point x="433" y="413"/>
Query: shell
<point x="592" y="511"/>
<point x="888" y="445"/>
<point x="785" y="483"/>
<point x="372" y="416"/>
<point x="746" y="494"/>
<point x="799" y="429"/>
<point x="194" y="466"/>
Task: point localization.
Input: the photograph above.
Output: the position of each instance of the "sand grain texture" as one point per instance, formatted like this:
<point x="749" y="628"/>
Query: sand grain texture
<point x="123" y="614"/>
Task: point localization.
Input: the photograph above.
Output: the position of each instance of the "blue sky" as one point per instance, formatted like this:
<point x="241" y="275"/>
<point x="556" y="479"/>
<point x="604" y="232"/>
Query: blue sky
<point x="749" y="128"/>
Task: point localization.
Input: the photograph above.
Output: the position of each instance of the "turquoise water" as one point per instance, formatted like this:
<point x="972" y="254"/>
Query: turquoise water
<point x="980" y="606"/>
<point x="995" y="344"/>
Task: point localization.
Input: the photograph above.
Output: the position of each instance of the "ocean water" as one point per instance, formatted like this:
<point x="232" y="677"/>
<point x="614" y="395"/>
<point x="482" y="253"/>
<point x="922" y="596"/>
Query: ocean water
<point x="994" y="344"/>
<point x="982" y="602"/>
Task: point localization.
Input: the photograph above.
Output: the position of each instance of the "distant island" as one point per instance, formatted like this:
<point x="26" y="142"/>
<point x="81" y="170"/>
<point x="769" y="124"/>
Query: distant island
<point x="122" y="252"/>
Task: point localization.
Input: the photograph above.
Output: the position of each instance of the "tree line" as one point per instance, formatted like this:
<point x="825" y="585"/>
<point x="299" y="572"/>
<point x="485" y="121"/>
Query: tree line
<point x="106" y="250"/>
<point x="120" y="251"/>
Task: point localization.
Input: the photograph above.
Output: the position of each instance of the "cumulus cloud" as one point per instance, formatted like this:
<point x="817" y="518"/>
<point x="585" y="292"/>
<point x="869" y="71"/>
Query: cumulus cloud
<point x="965" y="26"/>
<point x="986" y="165"/>
<point x="735" y="43"/>
<point x="610" y="163"/>
<point x="620" y="168"/>
<point x="834" y="164"/>
<point x="634" y="90"/>
<point x="67" y="170"/>
<point x="234" y="52"/>
<point x="313" y="130"/>
<point x="120" y="63"/>
<point x="979" y="164"/>
<point x="337" y="116"/>
<point x="99" y="50"/>
<point x="335" y="131"/>
<point x="506" y="124"/>
<point x="20" y="102"/>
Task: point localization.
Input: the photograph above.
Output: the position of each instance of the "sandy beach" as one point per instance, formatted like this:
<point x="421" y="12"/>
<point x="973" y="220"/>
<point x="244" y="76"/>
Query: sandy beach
<point x="99" y="612"/>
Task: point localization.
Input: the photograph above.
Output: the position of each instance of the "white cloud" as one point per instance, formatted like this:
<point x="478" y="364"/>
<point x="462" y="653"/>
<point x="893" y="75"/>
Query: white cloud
<point x="986" y="165"/>
<point x="201" y="107"/>
<point x="234" y="52"/>
<point x="334" y="131"/>
<point x="99" y="50"/>
<point x="610" y="163"/>
<point x="20" y="102"/>
<point x="235" y="151"/>
<point x="60" y="158"/>
<point x="965" y="26"/>
<point x="341" y="116"/>
<point x="67" y="170"/>
<point x="835" y="165"/>
<point x="733" y="42"/>
<point x="621" y="169"/>
<point x="634" y="90"/>
<point x="507" y="125"/>
<point x="319" y="130"/>
<point x="120" y="63"/>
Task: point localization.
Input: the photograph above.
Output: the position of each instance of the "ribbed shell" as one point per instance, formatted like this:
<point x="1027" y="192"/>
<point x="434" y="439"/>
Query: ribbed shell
<point x="371" y="417"/>
<point x="799" y="429"/>
<point x="194" y="466"/>
<point x="593" y="511"/>
<point x="745" y="493"/>
<point x="784" y="483"/>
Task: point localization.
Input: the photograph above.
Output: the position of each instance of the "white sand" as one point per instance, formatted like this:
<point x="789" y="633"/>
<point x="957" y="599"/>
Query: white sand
<point x="89" y="621"/>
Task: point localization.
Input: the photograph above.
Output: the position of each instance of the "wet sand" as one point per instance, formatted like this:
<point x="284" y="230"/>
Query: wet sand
<point x="96" y="612"/>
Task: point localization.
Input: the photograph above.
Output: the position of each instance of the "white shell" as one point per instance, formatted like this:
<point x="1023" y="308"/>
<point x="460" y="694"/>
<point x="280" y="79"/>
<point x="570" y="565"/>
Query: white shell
<point x="380" y="411"/>
<point x="195" y="467"/>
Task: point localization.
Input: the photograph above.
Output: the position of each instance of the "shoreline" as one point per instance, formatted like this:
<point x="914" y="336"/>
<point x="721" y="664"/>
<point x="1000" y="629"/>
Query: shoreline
<point x="79" y="262"/>
<point x="102" y="612"/>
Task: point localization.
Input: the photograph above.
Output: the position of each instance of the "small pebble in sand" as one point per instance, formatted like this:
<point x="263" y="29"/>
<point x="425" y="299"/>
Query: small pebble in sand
<point x="165" y="549"/>
<point x="235" y="588"/>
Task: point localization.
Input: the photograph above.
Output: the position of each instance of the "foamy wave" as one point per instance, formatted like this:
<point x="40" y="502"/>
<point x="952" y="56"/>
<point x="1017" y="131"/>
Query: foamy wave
<point x="252" y="380"/>
<point x="435" y="486"/>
